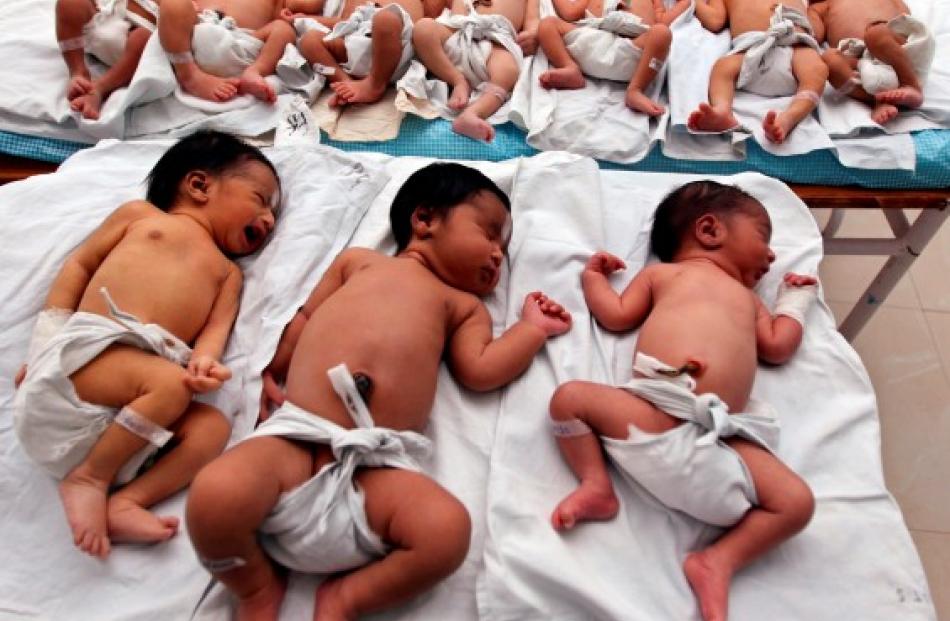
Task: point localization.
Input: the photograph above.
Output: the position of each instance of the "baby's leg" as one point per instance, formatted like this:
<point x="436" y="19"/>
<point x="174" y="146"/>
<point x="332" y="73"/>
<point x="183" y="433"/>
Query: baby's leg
<point x="229" y="500"/>
<point x="566" y="72"/>
<point x="429" y="530"/>
<point x="175" y="28"/>
<point x="811" y="73"/>
<point x="884" y="45"/>
<point x="200" y="436"/>
<point x="118" y="75"/>
<point x="842" y="73"/>
<point x="128" y="378"/>
<point x="502" y="74"/>
<point x="275" y="35"/>
<point x="717" y="114"/>
<point x="327" y="53"/>
<point x="785" y="507"/>
<point x="387" y="51"/>
<point x="655" y="44"/>
<point x="582" y="411"/>
<point x="428" y="39"/>
<point x="71" y="17"/>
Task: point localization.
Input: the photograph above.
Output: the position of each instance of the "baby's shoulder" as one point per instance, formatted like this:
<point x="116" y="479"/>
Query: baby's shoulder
<point x="136" y="210"/>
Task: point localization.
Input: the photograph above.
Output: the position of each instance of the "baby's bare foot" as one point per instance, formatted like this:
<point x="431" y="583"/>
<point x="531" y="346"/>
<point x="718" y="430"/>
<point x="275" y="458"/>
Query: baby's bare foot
<point x="357" y="91"/>
<point x="883" y="113"/>
<point x="636" y="100"/>
<point x="263" y="604"/>
<point x="210" y="87"/>
<point x="777" y="126"/>
<point x="253" y="83"/>
<point x="330" y="605"/>
<point x="79" y="84"/>
<point x="130" y="523"/>
<point x="460" y="95"/>
<point x="709" y="119"/>
<point x="710" y="584"/>
<point x="906" y="96"/>
<point x="89" y="104"/>
<point x="587" y="502"/>
<point x="470" y="124"/>
<point x="84" y="500"/>
<point x="569" y="77"/>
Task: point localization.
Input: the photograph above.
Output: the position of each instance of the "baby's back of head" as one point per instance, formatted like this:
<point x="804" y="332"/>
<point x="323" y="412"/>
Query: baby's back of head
<point x="678" y="212"/>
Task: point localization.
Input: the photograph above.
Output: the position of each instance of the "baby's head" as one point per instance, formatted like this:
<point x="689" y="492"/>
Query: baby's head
<point x="233" y="184"/>
<point x="457" y="221"/>
<point x="719" y="222"/>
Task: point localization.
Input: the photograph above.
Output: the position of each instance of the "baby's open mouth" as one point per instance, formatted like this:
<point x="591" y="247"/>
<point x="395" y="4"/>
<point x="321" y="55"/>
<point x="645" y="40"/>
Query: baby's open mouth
<point x="252" y="235"/>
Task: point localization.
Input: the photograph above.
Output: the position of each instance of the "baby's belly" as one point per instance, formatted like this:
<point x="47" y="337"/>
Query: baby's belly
<point x="755" y="15"/>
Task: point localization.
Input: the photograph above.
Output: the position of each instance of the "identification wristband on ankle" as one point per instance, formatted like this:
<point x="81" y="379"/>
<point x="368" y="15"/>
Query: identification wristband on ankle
<point x="811" y="96"/>
<point x="217" y="566"/>
<point x="76" y="43"/>
<point x="655" y="63"/>
<point x="143" y="427"/>
<point x="845" y="89"/>
<point x="180" y="58"/>
<point x="569" y="428"/>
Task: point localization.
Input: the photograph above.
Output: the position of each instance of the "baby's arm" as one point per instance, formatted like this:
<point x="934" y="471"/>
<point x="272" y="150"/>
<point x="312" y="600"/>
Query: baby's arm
<point x="779" y="336"/>
<point x="309" y="7"/>
<point x="816" y="15"/>
<point x="615" y="311"/>
<point x="712" y="14"/>
<point x="668" y="16"/>
<point x="276" y="370"/>
<point x="205" y="371"/>
<point x="73" y="278"/>
<point x="481" y="363"/>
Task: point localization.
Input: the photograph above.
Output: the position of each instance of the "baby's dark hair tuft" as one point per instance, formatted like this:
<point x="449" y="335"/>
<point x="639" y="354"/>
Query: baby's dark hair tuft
<point x="211" y="151"/>
<point x="439" y="186"/>
<point x="681" y="208"/>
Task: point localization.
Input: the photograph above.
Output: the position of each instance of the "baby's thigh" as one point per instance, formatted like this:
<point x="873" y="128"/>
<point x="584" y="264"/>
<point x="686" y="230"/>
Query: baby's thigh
<point x="609" y="410"/>
<point x="777" y="486"/>
<point x="807" y="61"/>
<point x="405" y="508"/>
<point x="122" y="373"/>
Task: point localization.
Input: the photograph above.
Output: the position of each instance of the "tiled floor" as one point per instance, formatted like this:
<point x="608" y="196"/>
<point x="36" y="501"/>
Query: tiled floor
<point x="906" y="349"/>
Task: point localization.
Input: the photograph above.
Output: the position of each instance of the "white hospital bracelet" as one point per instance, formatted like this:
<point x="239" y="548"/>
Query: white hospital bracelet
<point x="794" y="302"/>
<point x="180" y="58"/>
<point x="48" y="323"/>
<point x="76" y="43"/>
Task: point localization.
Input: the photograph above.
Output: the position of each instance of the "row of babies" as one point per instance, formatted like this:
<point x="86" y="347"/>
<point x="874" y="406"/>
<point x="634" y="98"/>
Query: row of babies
<point x="331" y="481"/>
<point x="877" y="53"/>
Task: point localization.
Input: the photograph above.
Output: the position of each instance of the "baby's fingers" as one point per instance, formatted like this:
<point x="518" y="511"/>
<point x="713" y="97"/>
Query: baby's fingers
<point x="219" y="372"/>
<point x="202" y="384"/>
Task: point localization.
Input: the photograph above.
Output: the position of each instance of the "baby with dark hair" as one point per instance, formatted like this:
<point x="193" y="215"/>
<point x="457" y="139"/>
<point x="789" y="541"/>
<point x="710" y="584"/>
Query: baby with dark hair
<point x="134" y="325"/>
<point x="331" y="482"/>
<point x="674" y="427"/>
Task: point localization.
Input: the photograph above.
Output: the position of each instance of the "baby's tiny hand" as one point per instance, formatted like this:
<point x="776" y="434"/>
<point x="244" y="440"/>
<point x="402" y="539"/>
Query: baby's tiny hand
<point x="205" y="374"/>
<point x="799" y="280"/>
<point x="542" y="311"/>
<point x="289" y="16"/>
<point x="604" y="263"/>
<point x="528" y="40"/>
<point x="20" y="375"/>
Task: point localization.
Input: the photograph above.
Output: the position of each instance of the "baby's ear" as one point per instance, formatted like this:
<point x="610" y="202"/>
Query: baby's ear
<point x="196" y="186"/>
<point x="710" y="231"/>
<point x="422" y="221"/>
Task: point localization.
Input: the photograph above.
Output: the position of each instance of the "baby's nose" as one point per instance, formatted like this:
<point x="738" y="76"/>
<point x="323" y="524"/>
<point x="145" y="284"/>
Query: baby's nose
<point x="771" y="256"/>
<point x="497" y="256"/>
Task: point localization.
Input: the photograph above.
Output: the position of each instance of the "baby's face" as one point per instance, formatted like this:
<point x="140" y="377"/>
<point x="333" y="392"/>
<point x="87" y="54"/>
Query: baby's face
<point x="471" y="243"/>
<point x="748" y="245"/>
<point x="245" y="207"/>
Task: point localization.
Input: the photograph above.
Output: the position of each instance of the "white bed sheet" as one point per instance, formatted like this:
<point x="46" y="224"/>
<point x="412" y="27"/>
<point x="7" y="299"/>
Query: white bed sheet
<point x="494" y="451"/>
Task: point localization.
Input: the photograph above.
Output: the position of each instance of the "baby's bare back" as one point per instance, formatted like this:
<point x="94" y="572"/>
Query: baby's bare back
<point x="164" y="270"/>
<point x="700" y="313"/>
<point x="849" y="18"/>
<point x="512" y="9"/>
<point x="753" y="15"/>
<point x="389" y="320"/>
<point x="251" y="14"/>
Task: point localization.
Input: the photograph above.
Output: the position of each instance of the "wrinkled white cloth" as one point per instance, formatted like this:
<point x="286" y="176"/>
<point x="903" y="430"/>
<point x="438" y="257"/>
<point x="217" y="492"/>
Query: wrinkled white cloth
<point x="356" y="32"/>
<point x="690" y="468"/>
<point x="767" y="65"/>
<point x="107" y="31"/>
<point x="222" y="48"/>
<point x="56" y="428"/>
<point x="321" y="526"/>
<point x="874" y="74"/>
<point x="603" y="46"/>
